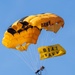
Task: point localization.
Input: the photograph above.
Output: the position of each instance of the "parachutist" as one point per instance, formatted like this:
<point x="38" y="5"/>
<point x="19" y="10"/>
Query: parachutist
<point x="42" y="68"/>
<point x="38" y="72"/>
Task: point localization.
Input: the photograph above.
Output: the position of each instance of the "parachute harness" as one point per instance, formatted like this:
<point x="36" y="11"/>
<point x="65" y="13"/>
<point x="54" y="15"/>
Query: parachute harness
<point x="38" y="72"/>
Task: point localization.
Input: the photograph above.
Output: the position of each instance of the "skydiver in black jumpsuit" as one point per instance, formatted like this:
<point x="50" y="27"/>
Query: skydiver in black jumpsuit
<point x="38" y="72"/>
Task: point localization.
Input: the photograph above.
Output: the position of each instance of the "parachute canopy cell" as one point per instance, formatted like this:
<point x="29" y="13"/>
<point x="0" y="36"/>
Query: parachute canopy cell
<point x="51" y="51"/>
<point x="27" y="30"/>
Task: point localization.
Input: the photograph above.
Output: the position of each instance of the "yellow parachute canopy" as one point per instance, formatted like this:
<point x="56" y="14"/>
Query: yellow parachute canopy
<point x="26" y="31"/>
<point x="16" y="40"/>
<point x="51" y="51"/>
<point x="46" y="21"/>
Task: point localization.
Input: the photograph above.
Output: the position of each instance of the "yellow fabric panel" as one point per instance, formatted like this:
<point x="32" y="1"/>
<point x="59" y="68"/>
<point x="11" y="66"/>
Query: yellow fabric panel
<point x="56" y="27"/>
<point x="50" y="28"/>
<point x="29" y="18"/>
<point x="9" y="43"/>
<point x="51" y="51"/>
<point x="37" y="31"/>
<point x="6" y="41"/>
<point x="16" y="25"/>
<point x="56" y="22"/>
<point x="53" y="28"/>
<point x="16" y="36"/>
<point x="29" y="36"/>
<point x="37" y="21"/>
<point x="23" y="33"/>
<point x="6" y="34"/>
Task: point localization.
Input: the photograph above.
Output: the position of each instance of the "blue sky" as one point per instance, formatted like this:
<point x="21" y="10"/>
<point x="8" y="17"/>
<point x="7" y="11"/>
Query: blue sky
<point x="10" y="61"/>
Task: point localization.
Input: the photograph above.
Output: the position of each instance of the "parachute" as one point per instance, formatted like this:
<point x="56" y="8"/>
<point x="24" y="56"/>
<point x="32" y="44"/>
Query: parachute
<point x="26" y="31"/>
<point x="51" y="51"/>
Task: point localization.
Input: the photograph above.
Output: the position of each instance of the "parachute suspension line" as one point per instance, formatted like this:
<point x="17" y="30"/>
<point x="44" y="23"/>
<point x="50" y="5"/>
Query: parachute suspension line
<point x="25" y="60"/>
<point x="39" y="64"/>
<point x="19" y="55"/>
<point x="32" y="56"/>
<point x="52" y="39"/>
<point x="27" y="55"/>
<point x="42" y="62"/>
<point x="28" y="60"/>
<point x="37" y="59"/>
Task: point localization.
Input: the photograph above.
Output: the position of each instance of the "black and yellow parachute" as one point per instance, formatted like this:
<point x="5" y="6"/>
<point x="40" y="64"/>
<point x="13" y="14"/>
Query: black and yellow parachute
<point x="26" y="31"/>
